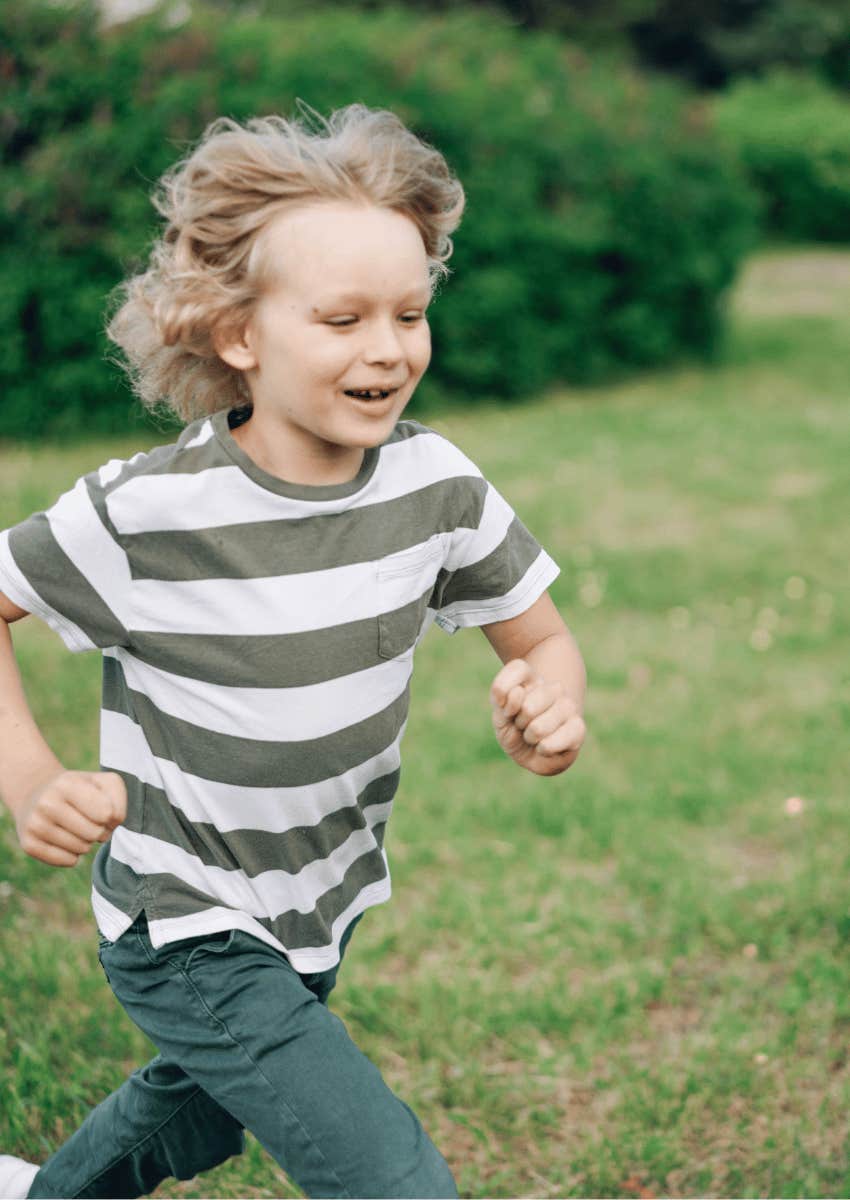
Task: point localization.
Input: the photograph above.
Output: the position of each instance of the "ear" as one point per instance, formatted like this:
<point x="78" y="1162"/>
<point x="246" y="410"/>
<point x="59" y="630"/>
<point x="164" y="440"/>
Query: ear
<point x="235" y="348"/>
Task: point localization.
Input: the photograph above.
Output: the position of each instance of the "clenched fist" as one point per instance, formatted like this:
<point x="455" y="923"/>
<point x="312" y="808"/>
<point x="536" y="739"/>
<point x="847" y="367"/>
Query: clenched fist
<point x="535" y="721"/>
<point x="64" y="817"/>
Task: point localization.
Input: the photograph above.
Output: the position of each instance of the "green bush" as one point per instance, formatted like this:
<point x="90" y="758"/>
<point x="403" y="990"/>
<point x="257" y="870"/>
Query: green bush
<point x="604" y="221"/>
<point x="792" y="133"/>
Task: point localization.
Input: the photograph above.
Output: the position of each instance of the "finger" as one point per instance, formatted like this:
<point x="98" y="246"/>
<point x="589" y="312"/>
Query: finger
<point x="88" y="799"/>
<point x="56" y="811"/>
<point x="64" y="839"/>
<point x="567" y="738"/>
<point x="515" y="701"/>
<point x="539" y="700"/>
<point x="514" y="673"/>
<point x="53" y="856"/>
<point x="114" y="788"/>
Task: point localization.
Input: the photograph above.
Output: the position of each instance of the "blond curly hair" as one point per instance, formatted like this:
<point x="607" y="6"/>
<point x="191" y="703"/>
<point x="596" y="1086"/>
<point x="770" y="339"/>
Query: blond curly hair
<point x="204" y="275"/>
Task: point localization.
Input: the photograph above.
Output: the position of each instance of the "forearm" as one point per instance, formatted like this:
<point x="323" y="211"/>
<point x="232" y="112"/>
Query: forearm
<point x="558" y="659"/>
<point x="26" y="760"/>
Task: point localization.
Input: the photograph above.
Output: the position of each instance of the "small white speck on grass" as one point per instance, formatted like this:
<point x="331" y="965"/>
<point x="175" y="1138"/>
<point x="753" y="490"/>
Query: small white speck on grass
<point x="795" y="587"/>
<point x="768" y="618"/>
<point x="679" y="617"/>
<point x="590" y="591"/>
<point x="760" y="1059"/>
<point x="794" y="805"/>
<point x="751" y="950"/>
<point x="6" y="889"/>
<point x="761" y="639"/>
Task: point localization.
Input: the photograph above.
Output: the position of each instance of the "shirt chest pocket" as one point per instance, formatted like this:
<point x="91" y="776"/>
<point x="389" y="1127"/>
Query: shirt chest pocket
<point x="405" y="582"/>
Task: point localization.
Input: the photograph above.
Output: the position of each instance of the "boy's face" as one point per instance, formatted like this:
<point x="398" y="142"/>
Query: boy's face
<point x="344" y="309"/>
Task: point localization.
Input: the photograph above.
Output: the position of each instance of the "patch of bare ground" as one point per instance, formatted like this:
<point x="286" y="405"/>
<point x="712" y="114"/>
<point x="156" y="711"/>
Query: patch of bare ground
<point x="807" y="283"/>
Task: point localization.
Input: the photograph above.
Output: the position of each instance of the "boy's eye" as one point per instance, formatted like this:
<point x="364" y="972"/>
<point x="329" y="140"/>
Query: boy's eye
<point x="408" y="318"/>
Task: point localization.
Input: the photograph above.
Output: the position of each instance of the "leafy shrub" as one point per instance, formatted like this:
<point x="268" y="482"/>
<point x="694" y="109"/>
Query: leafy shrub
<point x="792" y="133"/>
<point x="604" y="223"/>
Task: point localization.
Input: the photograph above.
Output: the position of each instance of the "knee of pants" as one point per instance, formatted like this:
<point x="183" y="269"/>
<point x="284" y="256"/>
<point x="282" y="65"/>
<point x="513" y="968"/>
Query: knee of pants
<point x="429" y="1176"/>
<point x="431" y="1180"/>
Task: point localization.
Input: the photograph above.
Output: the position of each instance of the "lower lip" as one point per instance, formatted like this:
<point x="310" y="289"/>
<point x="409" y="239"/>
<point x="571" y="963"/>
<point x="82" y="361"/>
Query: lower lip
<point x="377" y="408"/>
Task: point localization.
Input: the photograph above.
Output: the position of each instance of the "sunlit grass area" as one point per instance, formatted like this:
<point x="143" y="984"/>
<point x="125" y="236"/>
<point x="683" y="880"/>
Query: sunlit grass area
<point x="631" y="979"/>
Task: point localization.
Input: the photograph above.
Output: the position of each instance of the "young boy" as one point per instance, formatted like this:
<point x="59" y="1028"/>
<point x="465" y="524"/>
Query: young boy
<point x="257" y="589"/>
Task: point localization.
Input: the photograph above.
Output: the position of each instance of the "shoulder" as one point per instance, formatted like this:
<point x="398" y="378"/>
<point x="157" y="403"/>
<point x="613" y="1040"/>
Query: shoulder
<point x="146" y="490"/>
<point x="117" y="473"/>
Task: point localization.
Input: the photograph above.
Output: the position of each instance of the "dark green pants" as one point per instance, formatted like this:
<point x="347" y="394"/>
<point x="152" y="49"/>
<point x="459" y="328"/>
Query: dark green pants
<point x="245" y="1043"/>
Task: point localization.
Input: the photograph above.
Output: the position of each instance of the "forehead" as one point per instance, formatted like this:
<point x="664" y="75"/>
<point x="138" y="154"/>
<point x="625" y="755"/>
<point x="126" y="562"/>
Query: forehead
<point x="336" y="250"/>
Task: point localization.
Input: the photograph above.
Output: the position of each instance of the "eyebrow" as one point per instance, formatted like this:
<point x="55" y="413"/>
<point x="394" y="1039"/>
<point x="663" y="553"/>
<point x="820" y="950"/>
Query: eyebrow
<point x="356" y="297"/>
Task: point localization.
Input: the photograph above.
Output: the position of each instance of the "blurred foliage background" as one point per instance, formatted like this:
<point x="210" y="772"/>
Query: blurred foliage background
<point x="620" y="162"/>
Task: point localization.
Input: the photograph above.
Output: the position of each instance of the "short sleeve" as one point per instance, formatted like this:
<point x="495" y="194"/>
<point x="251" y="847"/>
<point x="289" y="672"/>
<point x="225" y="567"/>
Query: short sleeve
<point x="495" y="568"/>
<point x="67" y="567"/>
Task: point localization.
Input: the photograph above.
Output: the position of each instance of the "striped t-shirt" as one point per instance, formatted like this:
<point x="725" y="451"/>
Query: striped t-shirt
<point x="258" y="640"/>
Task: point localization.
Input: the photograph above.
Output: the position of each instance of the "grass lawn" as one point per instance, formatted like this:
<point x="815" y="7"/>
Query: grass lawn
<point x="632" y="979"/>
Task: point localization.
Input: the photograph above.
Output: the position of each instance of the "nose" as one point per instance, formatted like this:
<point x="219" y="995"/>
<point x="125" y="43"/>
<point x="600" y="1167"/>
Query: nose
<point x="384" y="346"/>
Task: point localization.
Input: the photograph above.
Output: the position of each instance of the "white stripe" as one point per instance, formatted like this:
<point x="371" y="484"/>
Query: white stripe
<point x="266" y="895"/>
<point x="222" y="496"/>
<point x="278" y="604"/>
<point x="20" y="591"/>
<point x="293" y="714"/>
<point x="471" y="545"/>
<point x="82" y="535"/>
<point x="231" y="806"/>
<point x="537" y="578"/>
<point x="242" y="607"/>
<point x="201" y="437"/>
<point x="110" y="470"/>
<point x="115" y="466"/>
<point x="111" y="921"/>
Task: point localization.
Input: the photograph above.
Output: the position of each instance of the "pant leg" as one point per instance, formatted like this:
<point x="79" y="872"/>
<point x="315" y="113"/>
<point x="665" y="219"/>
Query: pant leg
<point x="157" y="1124"/>
<point x="244" y="1026"/>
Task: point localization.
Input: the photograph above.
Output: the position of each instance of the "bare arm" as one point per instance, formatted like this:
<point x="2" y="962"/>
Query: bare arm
<point x="538" y="696"/>
<point x="59" y="814"/>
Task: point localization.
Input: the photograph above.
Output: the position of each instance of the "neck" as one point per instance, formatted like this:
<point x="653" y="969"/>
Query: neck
<point x="306" y="464"/>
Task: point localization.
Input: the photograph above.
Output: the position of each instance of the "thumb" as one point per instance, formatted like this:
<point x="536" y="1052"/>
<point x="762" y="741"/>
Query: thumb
<point x="113" y="787"/>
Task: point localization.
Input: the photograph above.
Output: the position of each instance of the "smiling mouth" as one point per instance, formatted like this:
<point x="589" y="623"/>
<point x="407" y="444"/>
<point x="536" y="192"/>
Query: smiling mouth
<point x="372" y="394"/>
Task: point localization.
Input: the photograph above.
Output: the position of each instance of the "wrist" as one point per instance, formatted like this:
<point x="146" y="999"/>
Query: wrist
<point x="18" y="791"/>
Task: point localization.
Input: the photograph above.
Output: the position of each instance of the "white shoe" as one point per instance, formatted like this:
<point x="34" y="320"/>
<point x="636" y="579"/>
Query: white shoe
<point x="16" y="1176"/>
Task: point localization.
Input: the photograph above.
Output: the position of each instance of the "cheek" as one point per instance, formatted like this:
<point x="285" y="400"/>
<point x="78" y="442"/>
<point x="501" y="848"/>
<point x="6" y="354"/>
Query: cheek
<point x="422" y="354"/>
<point x="324" y="359"/>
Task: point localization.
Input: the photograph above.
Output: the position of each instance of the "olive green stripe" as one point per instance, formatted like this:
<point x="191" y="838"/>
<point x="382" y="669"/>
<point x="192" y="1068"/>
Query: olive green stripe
<point x="60" y="583"/>
<point x="150" y="812"/>
<point x="314" y="543"/>
<point x="490" y="577"/>
<point x="287" y="659"/>
<point x="249" y="762"/>
<point x="263" y="660"/>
